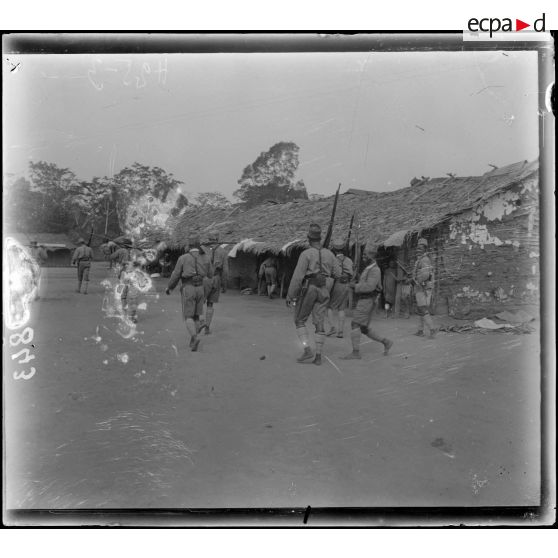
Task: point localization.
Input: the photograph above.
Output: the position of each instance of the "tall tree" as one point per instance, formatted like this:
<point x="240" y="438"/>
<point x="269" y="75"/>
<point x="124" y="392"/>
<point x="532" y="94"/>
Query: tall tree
<point x="138" y="187"/>
<point x="272" y="177"/>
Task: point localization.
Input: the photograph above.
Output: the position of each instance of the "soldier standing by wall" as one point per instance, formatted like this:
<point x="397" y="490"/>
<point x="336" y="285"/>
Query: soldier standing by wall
<point x="269" y="269"/>
<point x="82" y="257"/>
<point x="367" y="290"/>
<point x="191" y="269"/>
<point x="339" y="300"/>
<point x="40" y="256"/>
<point x="310" y="288"/>
<point x="217" y="257"/>
<point x="422" y="276"/>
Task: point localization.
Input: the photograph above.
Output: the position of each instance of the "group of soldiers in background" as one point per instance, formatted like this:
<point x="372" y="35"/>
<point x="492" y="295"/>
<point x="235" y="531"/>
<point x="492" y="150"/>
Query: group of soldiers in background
<point x="324" y="280"/>
<point x="322" y="286"/>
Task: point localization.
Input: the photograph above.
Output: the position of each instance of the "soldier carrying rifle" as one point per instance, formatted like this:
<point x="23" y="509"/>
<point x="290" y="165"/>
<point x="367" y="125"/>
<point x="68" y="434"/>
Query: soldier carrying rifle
<point x="366" y="290"/>
<point x="310" y="289"/>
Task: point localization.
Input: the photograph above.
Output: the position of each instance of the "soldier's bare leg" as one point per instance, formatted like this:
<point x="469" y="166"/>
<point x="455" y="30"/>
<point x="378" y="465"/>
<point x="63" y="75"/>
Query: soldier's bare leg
<point x="210" y="311"/>
<point x="85" y="280"/>
<point x="331" y="320"/>
<point x="193" y="331"/>
<point x="355" y="342"/>
<point x="302" y="334"/>
<point x="371" y="334"/>
<point x="341" y="323"/>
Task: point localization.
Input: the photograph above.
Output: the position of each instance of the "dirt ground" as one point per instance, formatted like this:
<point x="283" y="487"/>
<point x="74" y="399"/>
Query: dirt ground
<point x="449" y="422"/>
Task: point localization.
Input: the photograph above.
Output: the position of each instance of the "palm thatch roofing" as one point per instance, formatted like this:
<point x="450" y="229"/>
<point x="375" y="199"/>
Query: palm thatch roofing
<point x="385" y="217"/>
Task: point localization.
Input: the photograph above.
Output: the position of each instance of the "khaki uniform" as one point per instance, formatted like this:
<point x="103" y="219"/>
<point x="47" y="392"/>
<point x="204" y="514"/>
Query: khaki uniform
<point x="269" y="267"/>
<point x="313" y="279"/>
<point x="422" y="274"/>
<point x="367" y="290"/>
<point x="340" y="291"/>
<point x="82" y="256"/>
<point x="217" y="257"/>
<point x="423" y="284"/>
<point x="39" y="254"/>
<point x="193" y="270"/>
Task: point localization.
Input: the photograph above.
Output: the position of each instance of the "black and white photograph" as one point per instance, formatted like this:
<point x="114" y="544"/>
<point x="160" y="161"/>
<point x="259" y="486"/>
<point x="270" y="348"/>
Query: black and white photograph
<point x="273" y="277"/>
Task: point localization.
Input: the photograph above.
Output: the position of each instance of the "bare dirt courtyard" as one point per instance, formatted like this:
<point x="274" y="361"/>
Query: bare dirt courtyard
<point x="108" y="422"/>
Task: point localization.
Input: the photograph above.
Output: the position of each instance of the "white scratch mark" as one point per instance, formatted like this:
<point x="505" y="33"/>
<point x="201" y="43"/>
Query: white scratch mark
<point x="334" y="365"/>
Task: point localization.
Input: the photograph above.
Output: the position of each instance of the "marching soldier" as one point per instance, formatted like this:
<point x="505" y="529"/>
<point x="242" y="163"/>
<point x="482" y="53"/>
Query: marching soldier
<point x="367" y="290"/>
<point x="191" y="269"/>
<point x="217" y="257"/>
<point x="310" y="288"/>
<point x="339" y="300"/>
<point x="122" y="255"/>
<point x="82" y="258"/>
<point x="422" y="275"/>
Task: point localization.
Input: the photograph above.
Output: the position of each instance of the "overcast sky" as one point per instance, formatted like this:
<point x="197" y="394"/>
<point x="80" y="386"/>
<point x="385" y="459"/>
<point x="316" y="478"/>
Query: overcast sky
<point x="368" y="120"/>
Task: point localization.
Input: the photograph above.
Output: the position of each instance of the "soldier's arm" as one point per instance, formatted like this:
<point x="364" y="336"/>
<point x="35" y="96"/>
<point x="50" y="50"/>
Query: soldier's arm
<point x="298" y="276"/>
<point x="176" y="274"/>
<point x="369" y="281"/>
<point x="348" y="266"/>
<point x="74" y="257"/>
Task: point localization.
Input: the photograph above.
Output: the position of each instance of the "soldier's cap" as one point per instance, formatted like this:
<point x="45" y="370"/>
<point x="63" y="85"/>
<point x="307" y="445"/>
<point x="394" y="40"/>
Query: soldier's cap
<point x="213" y="236"/>
<point x="422" y="242"/>
<point x="338" y="245"/>
<point x="314" y="232"/>
<point x="81" y="241"/>
<point x="33" y="242"/>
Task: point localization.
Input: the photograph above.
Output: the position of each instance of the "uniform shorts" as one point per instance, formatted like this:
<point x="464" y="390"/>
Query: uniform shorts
<point x="362" y="314"/>
<point x="212" y="289"/>
<point x="270" y="276"/>
<point x="339" y="296"/>
<point x="315" y="301"/>
<point x="192" y="301"/>
<point x="83" y="271"/>
<point x="423" y="297"/>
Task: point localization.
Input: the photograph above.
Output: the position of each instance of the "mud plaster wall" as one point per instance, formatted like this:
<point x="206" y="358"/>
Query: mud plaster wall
<point x="488" y="258"/>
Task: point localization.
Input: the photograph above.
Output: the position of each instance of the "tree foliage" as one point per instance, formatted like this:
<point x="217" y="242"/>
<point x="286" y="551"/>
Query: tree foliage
<point x="272" y="177"/>
<point x="54" y="200"/>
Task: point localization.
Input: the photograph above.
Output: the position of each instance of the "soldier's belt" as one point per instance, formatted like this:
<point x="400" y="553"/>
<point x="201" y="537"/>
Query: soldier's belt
<point x="367" y="295"/>
<point x="195" y="280"/>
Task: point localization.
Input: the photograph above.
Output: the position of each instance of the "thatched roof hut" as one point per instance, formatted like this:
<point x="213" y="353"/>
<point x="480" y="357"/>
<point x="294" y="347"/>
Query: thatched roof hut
<point x="385" y="218"/>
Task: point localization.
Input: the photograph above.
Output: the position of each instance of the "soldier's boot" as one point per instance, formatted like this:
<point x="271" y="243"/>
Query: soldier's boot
<point x="306" y="355"/>
<point x="320" y="339"/>
<point x="85" y="286"/>
<point x="208" y="318"/>
<point x="194" y="343"/>
<point x="78" y="290"/>
<point x="387" y="346"/>
<point x="432" y="330"/>
<point x="355" y="341"/>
